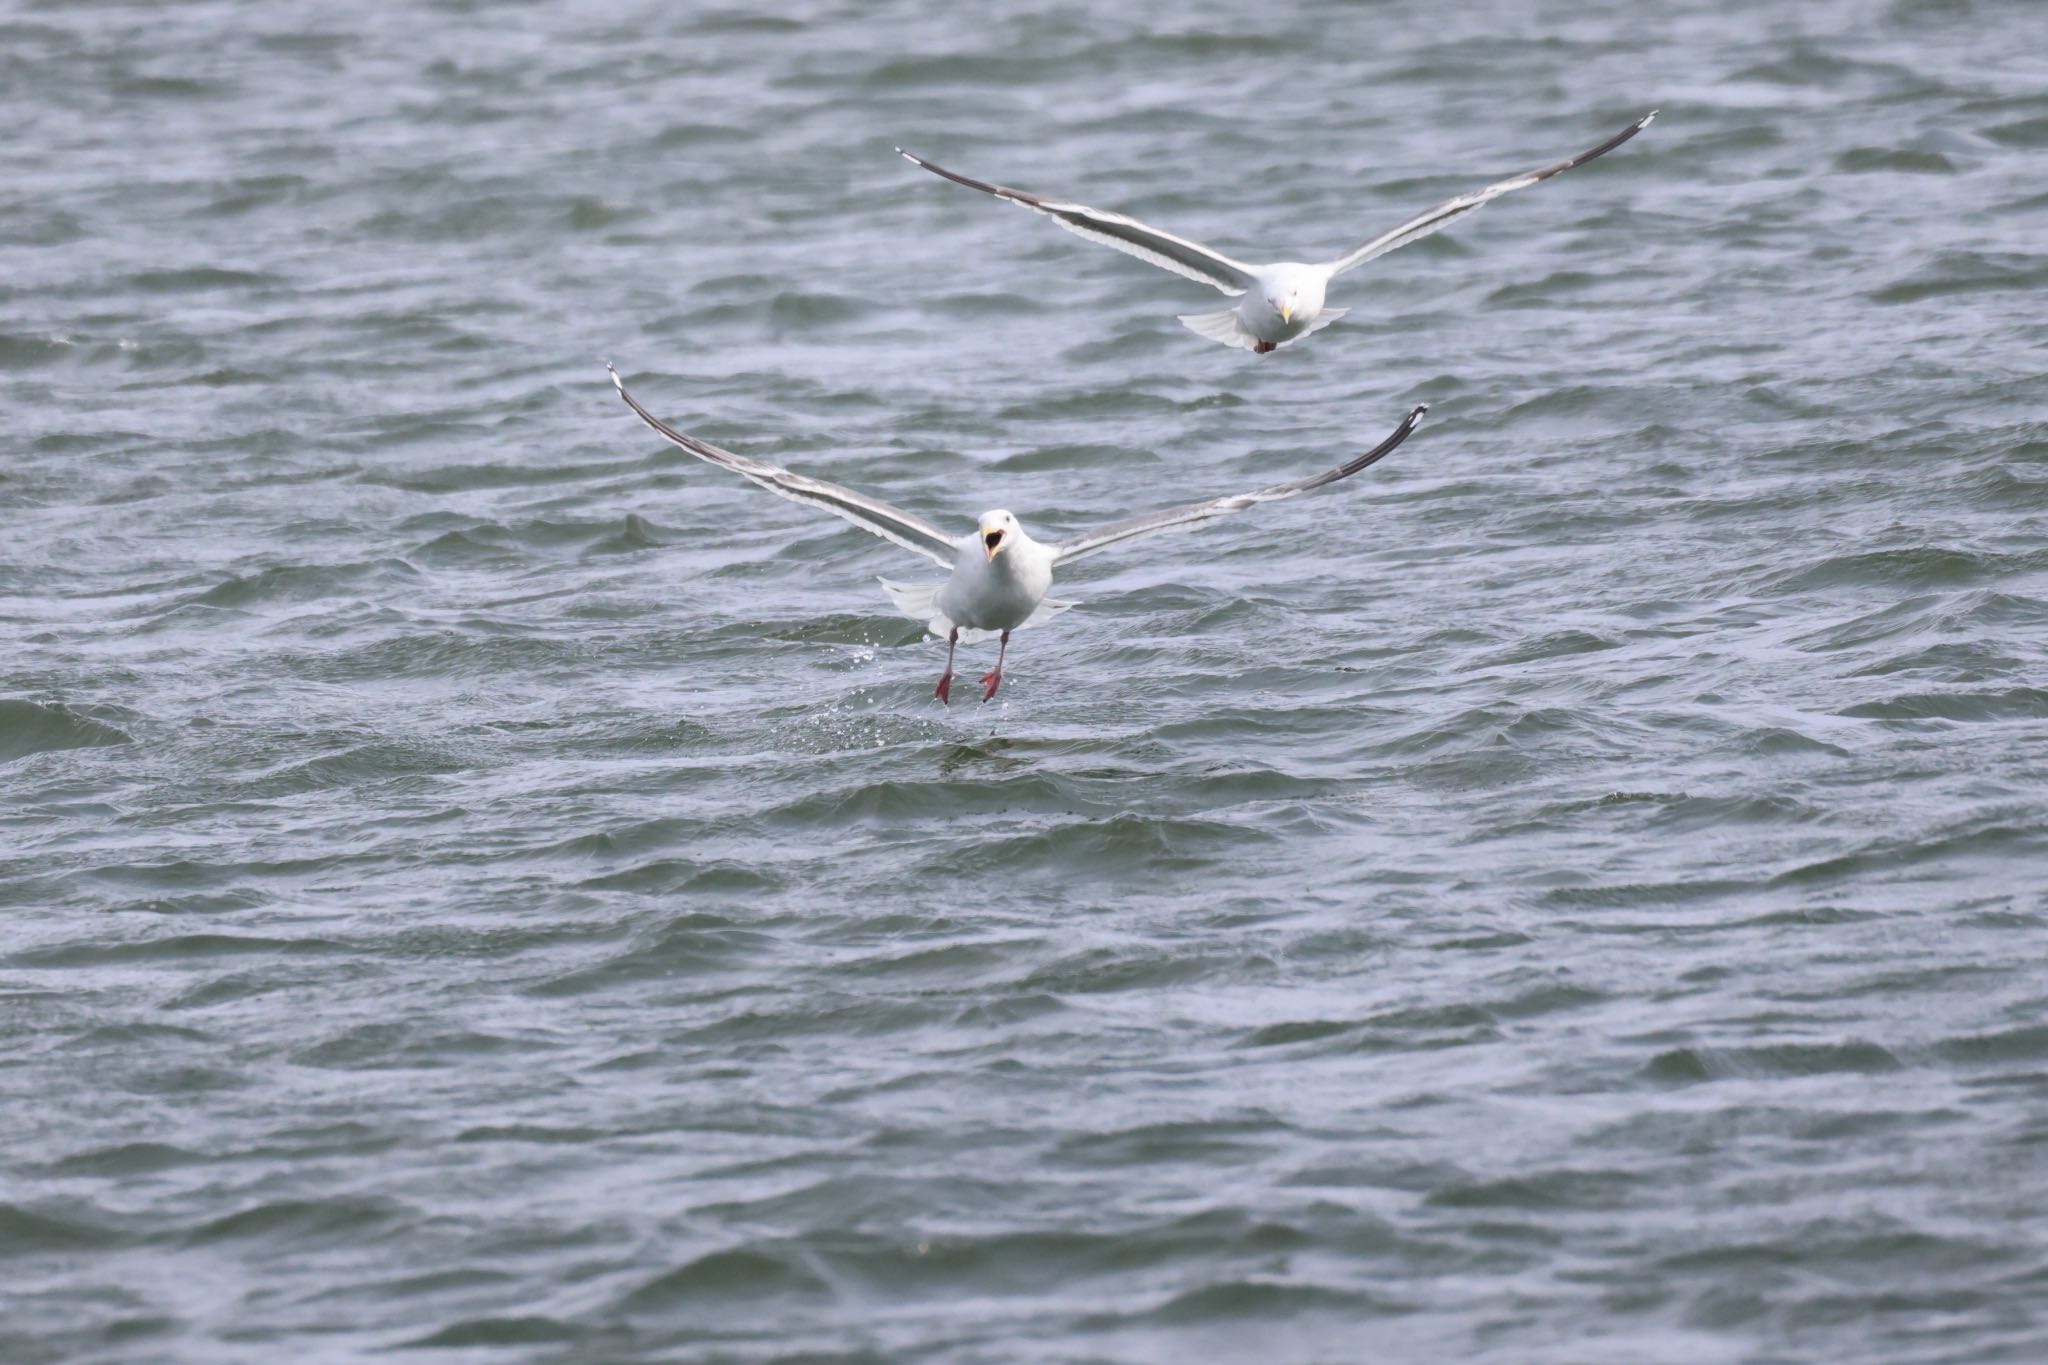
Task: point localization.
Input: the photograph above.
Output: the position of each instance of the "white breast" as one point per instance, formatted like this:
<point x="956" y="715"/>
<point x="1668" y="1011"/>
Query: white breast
<point x="998" y="594"/>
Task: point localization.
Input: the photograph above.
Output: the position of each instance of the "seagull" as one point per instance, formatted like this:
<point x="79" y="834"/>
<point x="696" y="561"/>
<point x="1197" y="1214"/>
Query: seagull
<point x="1000" y="576"/>
<point x="1282" y="301"/>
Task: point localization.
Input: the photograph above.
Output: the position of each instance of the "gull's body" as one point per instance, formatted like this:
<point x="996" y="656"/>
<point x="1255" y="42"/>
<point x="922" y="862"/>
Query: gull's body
<point x="999" y="578"/>
<point x="1281" y="301"/>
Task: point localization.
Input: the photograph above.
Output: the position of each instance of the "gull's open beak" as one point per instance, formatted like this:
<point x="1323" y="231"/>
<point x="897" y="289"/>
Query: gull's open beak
<point x="992" y="541"/>
<point x="1286" y="312"/>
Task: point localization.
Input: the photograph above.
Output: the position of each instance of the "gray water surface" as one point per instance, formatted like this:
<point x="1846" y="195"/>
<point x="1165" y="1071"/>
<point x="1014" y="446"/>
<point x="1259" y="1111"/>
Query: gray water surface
<point x="479" y="885"/>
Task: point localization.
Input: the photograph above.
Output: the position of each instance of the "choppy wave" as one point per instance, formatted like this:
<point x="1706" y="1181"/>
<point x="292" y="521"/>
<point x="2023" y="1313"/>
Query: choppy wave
<point x="28" y="727"/>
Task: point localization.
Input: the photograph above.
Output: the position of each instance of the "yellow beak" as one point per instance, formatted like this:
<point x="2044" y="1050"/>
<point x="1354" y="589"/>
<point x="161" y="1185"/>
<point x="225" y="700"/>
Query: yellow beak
<point x="993" y="550"/>
<point x="1286" y="312"/>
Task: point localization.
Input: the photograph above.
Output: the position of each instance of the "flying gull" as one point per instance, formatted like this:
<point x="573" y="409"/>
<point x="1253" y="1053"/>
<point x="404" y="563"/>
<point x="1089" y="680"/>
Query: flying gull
<point x="1000" y="575"/>
<point x="1284" y="300"/>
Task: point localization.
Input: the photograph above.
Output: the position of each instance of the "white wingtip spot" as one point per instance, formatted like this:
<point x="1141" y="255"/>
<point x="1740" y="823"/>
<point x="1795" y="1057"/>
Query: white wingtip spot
<point x="1644" y="122"/>
<point x="617" y="382"/>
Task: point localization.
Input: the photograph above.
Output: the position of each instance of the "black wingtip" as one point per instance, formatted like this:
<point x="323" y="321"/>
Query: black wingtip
<point x="1379" y="452"/>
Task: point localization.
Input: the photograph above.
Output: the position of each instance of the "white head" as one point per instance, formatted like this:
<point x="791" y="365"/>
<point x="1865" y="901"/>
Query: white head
<point x="1294" y="291"/>
<point x="999" y="531"/>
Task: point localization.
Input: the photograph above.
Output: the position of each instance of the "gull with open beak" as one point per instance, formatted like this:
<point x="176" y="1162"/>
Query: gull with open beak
<point x="1281" y="301"/>
<point x="1000" y="577"/>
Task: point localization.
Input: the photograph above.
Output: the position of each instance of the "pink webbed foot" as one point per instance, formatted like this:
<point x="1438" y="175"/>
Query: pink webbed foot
<point x="944" y="691"/>
<point x="990" y="681"/>
<point x="1264" y="347"/>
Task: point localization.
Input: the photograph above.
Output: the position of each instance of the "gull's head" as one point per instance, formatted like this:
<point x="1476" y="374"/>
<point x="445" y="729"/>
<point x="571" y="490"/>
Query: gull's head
<point x="998" y="531"/>
<point x="1294" y="291"/>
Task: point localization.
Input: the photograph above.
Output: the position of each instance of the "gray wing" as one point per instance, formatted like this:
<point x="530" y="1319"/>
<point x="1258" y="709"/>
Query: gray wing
<point x="1196" y="513"/>
<point x="1128" y="235"/>
<point x="1448" y="212"/>
<point x="870" y="514"/>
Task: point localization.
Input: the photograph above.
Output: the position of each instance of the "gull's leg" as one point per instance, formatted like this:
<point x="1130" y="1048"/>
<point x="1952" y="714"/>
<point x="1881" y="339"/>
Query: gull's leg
<point x="944" y="690"/>
<point x="1264" y="347"/>
<point x="993" y="679"/>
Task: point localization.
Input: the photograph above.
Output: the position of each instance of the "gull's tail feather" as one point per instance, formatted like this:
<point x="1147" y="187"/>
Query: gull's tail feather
<point x="1224" y="327"/>
<point x="1048" y="608"/>
<point x="920" y="602"/>
<point x="1324" y="319"/>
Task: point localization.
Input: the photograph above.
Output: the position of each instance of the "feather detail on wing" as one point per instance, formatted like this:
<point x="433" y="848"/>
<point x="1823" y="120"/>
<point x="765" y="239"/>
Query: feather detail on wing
<point x="1128" y="235"/>
<point x="1196" y="513"/>
<point x="870" y="514"/>
<point x="1448" y="212"/>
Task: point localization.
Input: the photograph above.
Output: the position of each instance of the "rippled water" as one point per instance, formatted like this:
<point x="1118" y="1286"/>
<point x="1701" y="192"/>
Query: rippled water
<point x="479" y="885"/>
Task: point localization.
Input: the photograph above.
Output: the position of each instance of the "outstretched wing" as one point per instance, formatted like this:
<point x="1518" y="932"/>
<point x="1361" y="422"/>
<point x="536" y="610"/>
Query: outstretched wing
<point x="1147" y="243"/>
<point x="870" y="514"/>
<point x="1196" y="513"/>
<point x="1448" y="212"/>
